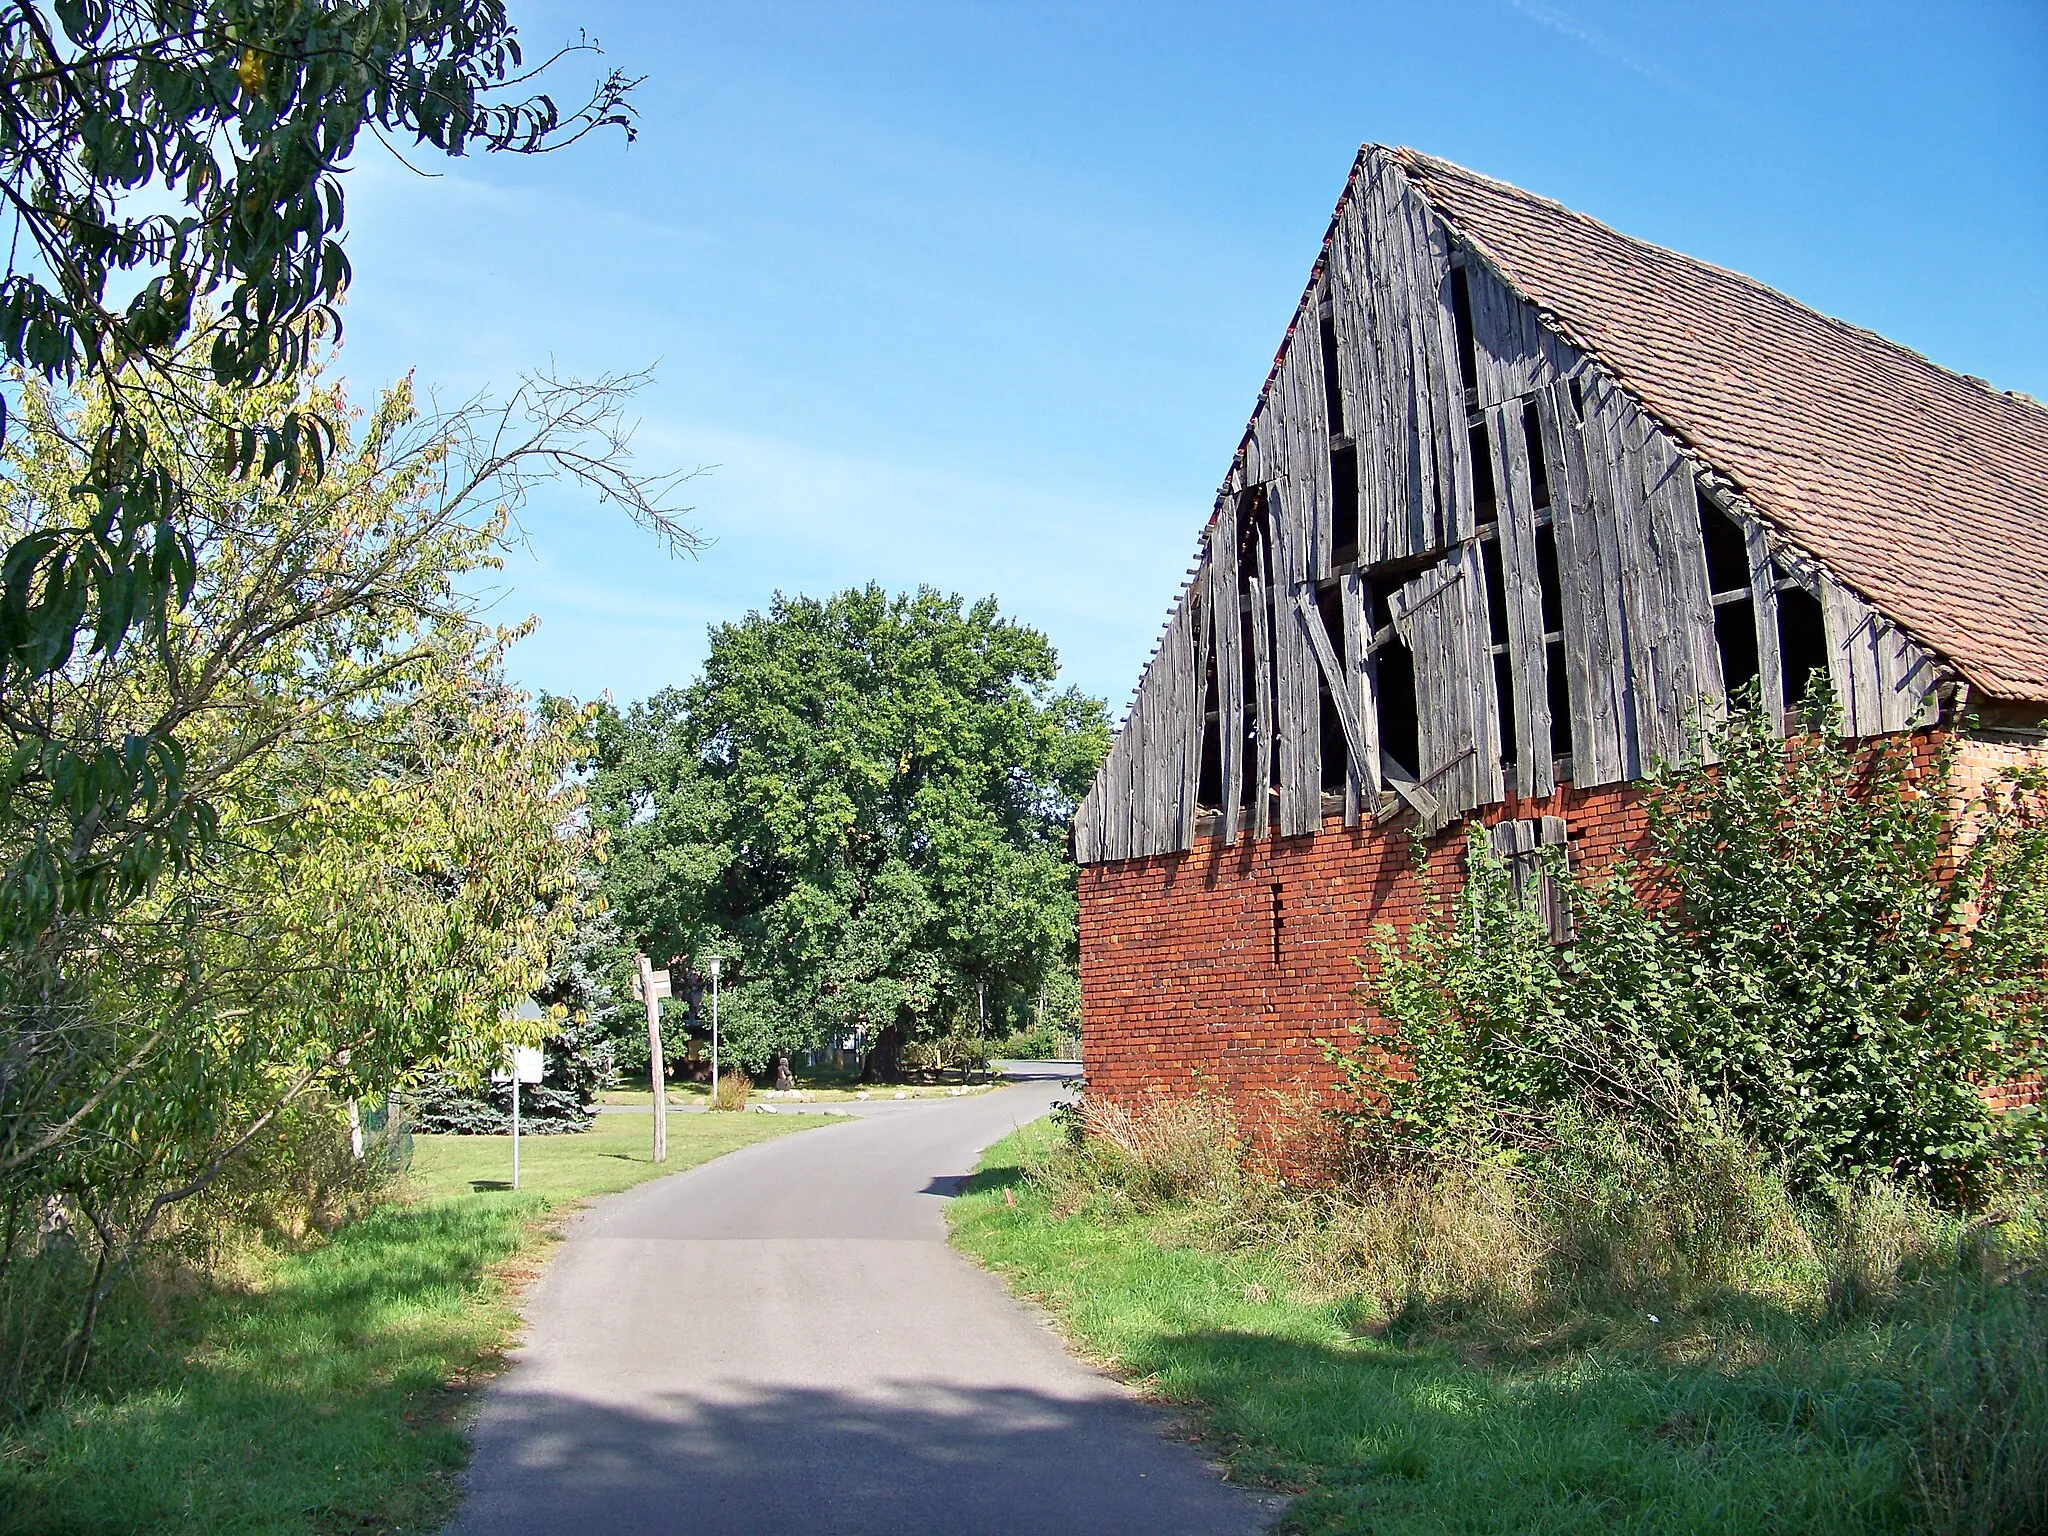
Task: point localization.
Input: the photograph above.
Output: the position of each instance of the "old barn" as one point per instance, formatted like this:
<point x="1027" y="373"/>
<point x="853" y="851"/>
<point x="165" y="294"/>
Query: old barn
<point x="1520" y="497"/>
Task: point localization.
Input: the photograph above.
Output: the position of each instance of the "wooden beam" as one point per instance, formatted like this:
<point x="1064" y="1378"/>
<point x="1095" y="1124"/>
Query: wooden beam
<point x="1262" y="688"/>
<point x="1334" y="679"/>
<point x="1522" y="591"/>
<point x="1402" y="780"/>
<point x="1363" y="687"/>
<point x="1763" y="588"/>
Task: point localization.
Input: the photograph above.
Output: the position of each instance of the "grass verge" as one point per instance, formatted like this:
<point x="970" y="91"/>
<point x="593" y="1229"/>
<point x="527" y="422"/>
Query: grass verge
<point x="809" y="1090"/>
<point x="1728" y="1415"/>
<point x="326" y="1390"/>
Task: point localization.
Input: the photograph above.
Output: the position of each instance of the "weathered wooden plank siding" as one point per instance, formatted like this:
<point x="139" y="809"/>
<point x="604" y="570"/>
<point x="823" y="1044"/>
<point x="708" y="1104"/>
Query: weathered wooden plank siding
<point x="1763" y="587"/>
<point x="1588" y="493"/>
<point x="1598" y="675"/>
<point x="1514" y="352"/>
<point x="1227" y="621"/>
<point x="1441" y="616"/>
<point x="1522" y="589"/>
<point x="1257" y="589"/>
<point x="1299" y="727"/>
<point x="1882" y="681"/>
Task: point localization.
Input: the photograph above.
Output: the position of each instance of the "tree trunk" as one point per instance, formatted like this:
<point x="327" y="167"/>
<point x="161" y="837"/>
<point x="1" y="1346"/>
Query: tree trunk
<point x="884" y="1063"/>
<point x="784" y="1078"/>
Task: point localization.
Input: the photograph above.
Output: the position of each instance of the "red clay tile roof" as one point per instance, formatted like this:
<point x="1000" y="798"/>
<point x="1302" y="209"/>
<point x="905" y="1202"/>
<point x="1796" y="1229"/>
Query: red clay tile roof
<point x="1924" y="490"/>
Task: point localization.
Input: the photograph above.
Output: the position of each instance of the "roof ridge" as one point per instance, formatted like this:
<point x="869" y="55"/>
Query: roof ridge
<point x="1411" y="158"/>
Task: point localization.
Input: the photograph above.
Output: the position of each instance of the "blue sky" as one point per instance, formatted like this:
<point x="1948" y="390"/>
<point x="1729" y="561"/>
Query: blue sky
<point x="980" y="296"/>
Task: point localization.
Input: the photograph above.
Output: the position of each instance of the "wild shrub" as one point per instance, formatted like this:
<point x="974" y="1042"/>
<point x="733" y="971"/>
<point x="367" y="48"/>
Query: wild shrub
<point x="958" y="1051"/>
<point x="1818" y="945"/>
<point x="734" y="1088"/>
<point x="292" y="1186"/>
<point x="1040" y="1042"/>
<point x="301" y="1180"/>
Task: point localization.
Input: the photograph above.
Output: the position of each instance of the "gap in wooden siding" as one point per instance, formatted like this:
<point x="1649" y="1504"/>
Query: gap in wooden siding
<point x="1557" y="689"/>
<point x="1503" y="667"/>
<point x="1398" y="724"/>
<point x="1333" y="388"/>
<point x="1209" y="768"/>
<point x="1336" y="755"/>
<point x="1734" y="599"/>
<point x="1461" y="311"/>
<point x="1802" y="642"/>
<point x="1532" y="447"/>
<point x="1343" y="505"/>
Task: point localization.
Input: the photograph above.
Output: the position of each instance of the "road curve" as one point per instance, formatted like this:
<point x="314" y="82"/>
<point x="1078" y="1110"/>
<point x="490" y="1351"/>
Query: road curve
<point x="780" y="1341"/>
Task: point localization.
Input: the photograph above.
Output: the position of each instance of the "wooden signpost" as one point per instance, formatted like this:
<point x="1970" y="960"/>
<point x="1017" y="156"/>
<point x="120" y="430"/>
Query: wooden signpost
<point x="652" y="986"/>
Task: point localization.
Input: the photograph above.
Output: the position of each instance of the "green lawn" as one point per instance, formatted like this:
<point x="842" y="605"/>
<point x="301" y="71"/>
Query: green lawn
<point x="612" y="1155"/>
<point x="1380" y="1436"/>
<point x="679" y="1094"/>
<point x="330" y="1393"/>
<point x="811" y="1089"/>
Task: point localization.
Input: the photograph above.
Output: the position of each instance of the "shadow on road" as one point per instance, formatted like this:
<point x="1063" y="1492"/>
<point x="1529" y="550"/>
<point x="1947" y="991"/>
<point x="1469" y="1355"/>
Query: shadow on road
<point x="1037" y="1071"/>
<point x="902" y="1456"/>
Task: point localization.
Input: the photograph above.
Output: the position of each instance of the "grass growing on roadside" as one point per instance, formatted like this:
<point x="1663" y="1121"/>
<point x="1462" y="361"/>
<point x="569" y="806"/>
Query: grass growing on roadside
<point x="1730" y="1413"/>
<point x="612" y="1155"/>
<point x="810" y="1089"/>
<point x="326" y="1393"/>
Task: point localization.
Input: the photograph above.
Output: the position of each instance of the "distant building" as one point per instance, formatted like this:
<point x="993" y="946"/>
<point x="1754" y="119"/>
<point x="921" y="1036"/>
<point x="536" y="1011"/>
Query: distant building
<point x="1521" y="496"/>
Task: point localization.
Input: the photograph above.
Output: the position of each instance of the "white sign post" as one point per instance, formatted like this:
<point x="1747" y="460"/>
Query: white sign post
<point x="523" y="1064"/>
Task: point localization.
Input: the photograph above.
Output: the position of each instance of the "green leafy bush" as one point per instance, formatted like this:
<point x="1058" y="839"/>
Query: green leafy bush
<point x="1043" y="1042"/>
<point x="1820" y="946"/>
<point x="956" y="1051"/>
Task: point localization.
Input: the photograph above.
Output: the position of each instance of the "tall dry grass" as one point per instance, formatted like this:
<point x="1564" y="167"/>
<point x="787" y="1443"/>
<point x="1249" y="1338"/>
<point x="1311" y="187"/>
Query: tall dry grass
<point x="1611" y="1226"/>
<point x="1117" y="1159"/>
<point x="734" y="1089"/>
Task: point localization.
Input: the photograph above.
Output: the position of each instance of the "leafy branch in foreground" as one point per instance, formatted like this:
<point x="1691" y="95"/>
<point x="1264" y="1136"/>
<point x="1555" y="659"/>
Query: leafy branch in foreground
<point x="173" y="170"/>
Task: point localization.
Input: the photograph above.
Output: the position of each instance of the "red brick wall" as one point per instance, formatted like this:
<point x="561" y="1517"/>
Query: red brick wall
<point x="1180" y="985"/>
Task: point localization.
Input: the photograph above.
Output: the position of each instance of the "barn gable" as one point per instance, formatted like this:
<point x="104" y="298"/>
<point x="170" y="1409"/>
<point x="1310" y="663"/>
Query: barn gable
<point x="1462" y="553"/>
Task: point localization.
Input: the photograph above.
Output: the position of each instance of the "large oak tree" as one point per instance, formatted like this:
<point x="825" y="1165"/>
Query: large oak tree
<point x="864" y="801"/>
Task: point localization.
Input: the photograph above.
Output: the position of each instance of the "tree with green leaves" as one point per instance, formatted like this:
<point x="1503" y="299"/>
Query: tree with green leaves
<point x="173" y="174"/>
<point x="864" y="801"/>
<point x="396" y="852"/>
<point x="581" y="995"/>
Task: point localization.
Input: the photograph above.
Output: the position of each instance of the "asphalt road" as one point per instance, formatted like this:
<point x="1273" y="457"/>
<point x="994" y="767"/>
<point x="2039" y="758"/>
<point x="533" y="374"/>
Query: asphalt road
<point x="780" y="1341"/>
